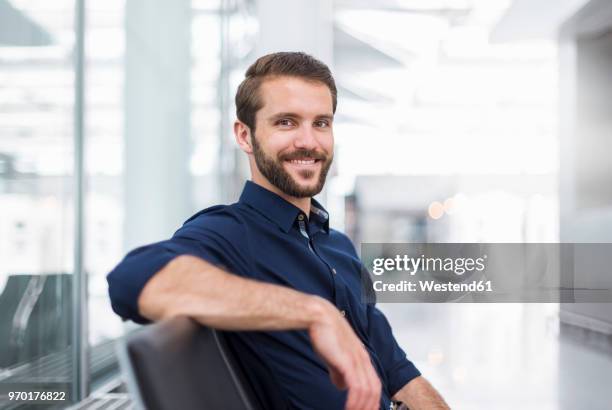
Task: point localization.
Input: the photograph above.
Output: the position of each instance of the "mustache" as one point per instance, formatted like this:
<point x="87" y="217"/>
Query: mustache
<point x="303" y="154"/>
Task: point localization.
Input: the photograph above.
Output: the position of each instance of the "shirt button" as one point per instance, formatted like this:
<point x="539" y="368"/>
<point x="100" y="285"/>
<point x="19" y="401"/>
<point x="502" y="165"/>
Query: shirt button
<point x="301" y="217"/>
<point x="343" y="312"/>
<point x="334" y="271"/>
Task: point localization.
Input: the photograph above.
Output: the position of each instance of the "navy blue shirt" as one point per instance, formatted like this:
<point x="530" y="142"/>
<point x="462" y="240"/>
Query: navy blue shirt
<point x="266" y="238"/>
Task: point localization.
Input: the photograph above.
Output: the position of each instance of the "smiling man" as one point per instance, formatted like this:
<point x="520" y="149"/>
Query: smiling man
<point x="269" y="269"/>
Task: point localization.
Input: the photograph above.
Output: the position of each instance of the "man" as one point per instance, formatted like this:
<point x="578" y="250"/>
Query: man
<point x="269" y="268"/>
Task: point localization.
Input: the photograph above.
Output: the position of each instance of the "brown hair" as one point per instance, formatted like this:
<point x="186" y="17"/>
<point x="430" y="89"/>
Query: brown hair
<point x="293" y="64"/>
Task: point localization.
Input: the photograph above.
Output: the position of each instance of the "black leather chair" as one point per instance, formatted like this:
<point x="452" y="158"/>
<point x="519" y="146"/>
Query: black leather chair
<point x="179" y="364"/>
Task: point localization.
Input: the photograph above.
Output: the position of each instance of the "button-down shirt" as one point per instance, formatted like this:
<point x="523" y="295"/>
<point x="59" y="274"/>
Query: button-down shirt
<point x="266" y="238"/>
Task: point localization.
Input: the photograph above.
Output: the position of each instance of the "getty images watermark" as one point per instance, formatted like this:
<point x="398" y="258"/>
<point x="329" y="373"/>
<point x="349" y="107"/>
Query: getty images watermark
<point x="412" y="265"/>
<point x="477" y="272"/>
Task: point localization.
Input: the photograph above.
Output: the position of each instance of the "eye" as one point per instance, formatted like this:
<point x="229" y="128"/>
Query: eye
<point x="285" y="122"/>
<point x="322" y="123"/>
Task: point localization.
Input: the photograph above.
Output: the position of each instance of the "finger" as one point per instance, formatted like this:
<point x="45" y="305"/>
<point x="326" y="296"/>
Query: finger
<point x="375" y="393"/>
<point x="372" y="391"/>
<point x="364" y="382"/>
<point x="355" y="395"/>
<point x="351" y="397"/>
<point x="365" y="402"/>
<point x="367" y="399"/>
<point x="370" y="402"/>
<point x="375" y="385"/>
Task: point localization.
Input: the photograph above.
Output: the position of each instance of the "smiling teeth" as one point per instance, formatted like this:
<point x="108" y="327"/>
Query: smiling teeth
<point x="302" y="162"/>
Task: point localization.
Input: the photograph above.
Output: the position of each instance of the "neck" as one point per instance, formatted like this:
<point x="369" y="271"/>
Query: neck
<point x="302" y="203"/>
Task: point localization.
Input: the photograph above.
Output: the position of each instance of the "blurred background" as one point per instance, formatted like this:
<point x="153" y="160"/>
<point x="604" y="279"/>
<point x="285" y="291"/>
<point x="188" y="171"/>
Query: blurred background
<point x="458" y="121"/>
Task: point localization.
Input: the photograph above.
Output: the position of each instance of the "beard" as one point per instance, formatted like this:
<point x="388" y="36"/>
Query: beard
<point x="274" y="171"/>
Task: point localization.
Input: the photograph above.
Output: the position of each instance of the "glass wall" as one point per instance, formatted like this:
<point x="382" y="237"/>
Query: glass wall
<point x="36" y="193"/>
<point x="156" y="95"/>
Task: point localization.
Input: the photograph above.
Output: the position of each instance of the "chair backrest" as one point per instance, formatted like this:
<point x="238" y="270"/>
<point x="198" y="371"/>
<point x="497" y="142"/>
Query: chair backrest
<point x="35" y="318"/>
<point x="179" y="364"/>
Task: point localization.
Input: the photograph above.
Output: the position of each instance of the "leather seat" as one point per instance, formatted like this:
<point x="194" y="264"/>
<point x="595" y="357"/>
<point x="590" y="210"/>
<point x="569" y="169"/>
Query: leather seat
<point x="180" y="364"/>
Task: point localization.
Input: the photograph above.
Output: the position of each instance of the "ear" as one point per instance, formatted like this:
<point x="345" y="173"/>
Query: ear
<point x="242" y="133"/>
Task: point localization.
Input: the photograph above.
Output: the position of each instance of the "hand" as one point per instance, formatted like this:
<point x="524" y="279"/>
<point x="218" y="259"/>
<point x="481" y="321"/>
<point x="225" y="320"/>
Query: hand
<point x="348" y="361"/>
<point x="418" y="394"/>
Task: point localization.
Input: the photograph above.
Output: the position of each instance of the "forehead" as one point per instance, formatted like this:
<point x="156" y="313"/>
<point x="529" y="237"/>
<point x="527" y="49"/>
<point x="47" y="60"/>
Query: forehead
<point x="296" y="95"/>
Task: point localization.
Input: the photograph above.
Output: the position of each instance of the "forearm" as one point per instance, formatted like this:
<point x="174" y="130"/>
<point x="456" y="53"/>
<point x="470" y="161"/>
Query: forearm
<point x="190" y="286"/>
<point x="419" y="394"/>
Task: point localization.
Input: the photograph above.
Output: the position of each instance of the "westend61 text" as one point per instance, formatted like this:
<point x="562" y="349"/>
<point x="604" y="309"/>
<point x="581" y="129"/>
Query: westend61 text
<point x="433" y="286"/>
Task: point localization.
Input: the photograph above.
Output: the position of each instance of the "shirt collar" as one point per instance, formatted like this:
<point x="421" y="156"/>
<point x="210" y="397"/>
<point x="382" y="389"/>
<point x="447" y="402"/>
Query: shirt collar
<point x="320" y="214"/>
<point x="278" y="210"/>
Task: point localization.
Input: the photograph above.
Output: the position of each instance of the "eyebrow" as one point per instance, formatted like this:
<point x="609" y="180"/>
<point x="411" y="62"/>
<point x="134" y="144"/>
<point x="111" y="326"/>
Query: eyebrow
<point x="280" y="115"/>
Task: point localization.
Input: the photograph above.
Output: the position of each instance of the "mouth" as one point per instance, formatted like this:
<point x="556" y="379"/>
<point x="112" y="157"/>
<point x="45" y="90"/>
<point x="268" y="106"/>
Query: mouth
<point x="303" y="162"/>
<point x="305" y="167"/>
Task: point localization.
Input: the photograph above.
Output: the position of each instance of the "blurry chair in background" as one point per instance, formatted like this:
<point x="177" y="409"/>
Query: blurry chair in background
<point x="36" y="333"/>
<point x="34" y="308"/>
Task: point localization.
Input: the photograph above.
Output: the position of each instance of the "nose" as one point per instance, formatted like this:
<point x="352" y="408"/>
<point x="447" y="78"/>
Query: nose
<point x="306" y="138"/>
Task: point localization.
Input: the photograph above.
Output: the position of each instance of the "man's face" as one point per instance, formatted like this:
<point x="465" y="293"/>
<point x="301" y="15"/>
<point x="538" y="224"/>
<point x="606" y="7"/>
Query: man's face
<point x="293" y="142"/>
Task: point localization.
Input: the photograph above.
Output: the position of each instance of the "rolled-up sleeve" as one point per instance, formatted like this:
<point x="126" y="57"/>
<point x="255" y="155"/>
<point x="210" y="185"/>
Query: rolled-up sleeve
<point x="398" y="369"/>
<point x="128" y="278"/>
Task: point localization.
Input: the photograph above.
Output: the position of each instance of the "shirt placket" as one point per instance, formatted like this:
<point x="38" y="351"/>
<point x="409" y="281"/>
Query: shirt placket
<point x="304" y="232"/>
<point x="339" y="292"/>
